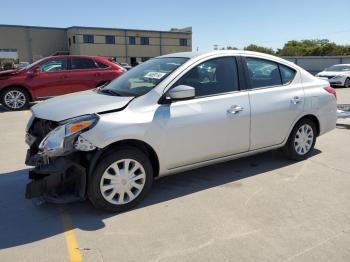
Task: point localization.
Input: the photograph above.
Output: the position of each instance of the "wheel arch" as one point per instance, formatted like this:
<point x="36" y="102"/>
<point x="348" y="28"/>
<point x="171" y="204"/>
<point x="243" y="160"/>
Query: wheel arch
<point x="312" y="117"/>
<point x="141" y="145"/>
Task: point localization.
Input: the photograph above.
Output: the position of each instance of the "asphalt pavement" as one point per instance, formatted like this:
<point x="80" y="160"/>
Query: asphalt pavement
<point x="260" y="208"/>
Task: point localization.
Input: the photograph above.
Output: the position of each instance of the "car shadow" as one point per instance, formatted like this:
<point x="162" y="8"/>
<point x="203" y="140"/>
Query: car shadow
<point x="23" y="222"/>
<point x="343" y="126"/>
<point x="4" y="110"/>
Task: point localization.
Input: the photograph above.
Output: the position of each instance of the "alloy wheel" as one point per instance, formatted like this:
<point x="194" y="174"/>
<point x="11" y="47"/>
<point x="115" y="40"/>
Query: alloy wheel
<point x="122" y="181"/>
<point x="14" y="99"/>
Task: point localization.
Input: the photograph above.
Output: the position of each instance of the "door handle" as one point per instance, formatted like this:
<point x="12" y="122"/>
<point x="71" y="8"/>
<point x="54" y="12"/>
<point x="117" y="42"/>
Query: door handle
<point x="235" y="109"/>
<point x="296" y="100"/>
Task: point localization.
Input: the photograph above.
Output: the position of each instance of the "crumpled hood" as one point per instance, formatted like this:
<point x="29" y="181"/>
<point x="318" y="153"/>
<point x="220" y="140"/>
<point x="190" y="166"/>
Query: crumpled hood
<point x="82" y="103"/>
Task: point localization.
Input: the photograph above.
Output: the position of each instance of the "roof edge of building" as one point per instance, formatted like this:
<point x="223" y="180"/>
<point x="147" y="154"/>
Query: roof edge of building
<point x="187" y="30"/>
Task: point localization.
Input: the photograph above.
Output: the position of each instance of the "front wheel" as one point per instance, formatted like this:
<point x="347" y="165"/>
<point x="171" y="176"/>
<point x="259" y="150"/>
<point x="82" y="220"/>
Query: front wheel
<point x="121" y="180"/>
<point x="15" y="99"/>
<point x="347" y="83"/>
<point x="301" y="140"/>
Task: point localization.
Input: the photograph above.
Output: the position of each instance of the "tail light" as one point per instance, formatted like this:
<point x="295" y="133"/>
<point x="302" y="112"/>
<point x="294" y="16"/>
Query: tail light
<point x="331" y="90"/>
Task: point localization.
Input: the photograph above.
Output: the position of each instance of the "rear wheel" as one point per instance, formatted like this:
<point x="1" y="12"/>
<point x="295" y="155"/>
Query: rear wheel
<point x="121" y="180"/>
<point x="15" y="99"/>
<point x="301" y="140"/>
<point x="347" y="83"/>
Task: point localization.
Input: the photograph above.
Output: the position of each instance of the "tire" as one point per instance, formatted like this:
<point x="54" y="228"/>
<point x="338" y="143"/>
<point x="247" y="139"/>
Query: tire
<point x="111" y="190"/>
<point x="15" y="99"/>
<point x="301" y="141"/>
<point x="347" y="83"/>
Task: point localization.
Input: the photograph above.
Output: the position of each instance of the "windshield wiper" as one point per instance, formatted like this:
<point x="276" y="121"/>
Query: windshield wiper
<point x="109" y="91"/>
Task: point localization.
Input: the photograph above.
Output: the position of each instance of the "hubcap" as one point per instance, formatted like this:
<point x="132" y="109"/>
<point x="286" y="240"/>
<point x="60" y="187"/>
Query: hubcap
<point x="14" y="99"/>
<point x="122" y="181"/>
<point x="303" y="139"/>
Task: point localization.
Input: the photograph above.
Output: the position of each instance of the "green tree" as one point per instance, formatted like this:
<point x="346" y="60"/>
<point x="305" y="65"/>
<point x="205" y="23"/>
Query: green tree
<point x="229" y="48"/>
<point x="260" y="49"/>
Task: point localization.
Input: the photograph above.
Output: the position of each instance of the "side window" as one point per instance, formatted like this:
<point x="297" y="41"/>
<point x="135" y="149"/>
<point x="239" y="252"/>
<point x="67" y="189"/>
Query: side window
<point x="82" y="63"/>
<point x="263" y="72"/>
<point x="287" y="74"/>
<point x="101" y="65"/>
<point x="212" y="77"/>
<point x="54" y="65"/>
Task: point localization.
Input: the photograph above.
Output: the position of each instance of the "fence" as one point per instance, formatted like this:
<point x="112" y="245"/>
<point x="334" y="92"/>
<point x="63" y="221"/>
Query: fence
<point x="315" y="64"/>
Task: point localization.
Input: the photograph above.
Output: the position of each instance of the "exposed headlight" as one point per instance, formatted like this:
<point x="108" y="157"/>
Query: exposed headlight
<point x="60" y="141"/>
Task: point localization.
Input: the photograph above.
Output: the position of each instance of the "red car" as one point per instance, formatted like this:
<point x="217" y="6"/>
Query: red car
<point x="54" y="76"/>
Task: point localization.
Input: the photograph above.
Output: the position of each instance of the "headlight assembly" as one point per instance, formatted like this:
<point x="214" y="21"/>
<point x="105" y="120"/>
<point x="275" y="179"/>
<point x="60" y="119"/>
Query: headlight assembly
<point x="61" y="140"/>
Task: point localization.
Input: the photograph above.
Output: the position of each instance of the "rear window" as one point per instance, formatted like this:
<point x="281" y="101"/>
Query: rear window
<point x="82" y="63"/>
<point x="101" y="65"/>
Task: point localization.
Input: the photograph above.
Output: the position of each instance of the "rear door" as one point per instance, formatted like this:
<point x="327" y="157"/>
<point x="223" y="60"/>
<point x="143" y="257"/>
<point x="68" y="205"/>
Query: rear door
<point x="276" y="99"/>
<point x="84" y="74"/>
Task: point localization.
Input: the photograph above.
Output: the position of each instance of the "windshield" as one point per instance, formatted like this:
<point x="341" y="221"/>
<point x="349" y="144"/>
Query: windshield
<point x="338" y="68"/>
<point x="144" y="77"/>
<point x="31" y="65"/>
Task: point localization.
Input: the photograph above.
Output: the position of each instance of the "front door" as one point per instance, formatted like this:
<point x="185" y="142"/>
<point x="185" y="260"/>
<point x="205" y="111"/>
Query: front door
<point x="50" y="79"/>
<point x="215" y="123"/>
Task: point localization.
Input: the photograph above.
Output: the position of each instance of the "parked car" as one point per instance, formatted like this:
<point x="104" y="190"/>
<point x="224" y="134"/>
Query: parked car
<point x="336" y="75"/>
<point x="54" y="76"/>
<point x="21" y="65"/>
<point x="126" y="66"/>
<point x="164" y="117"/>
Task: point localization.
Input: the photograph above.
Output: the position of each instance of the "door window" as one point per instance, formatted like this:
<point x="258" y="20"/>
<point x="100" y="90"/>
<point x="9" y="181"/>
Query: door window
<point x="54" y="65"/>
<point x="82" y="63"/>
<point x="287" y="74"/>
<point x="212" y="77"/>
<point x="263" y="72"/>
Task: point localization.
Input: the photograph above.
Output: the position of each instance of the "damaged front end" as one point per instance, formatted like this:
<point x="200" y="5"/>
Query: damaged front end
<point x="60" y="156"/>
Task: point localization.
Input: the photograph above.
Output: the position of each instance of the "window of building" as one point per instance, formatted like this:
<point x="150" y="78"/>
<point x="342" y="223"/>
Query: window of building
<point x="82" y="63"/>
<point x="54" y="65"/>
<point x="144" y="40"/>
<point x="287" y="74"/>
<point x="110" y="39"/>
<point x="73" y="39"/>
<point x="132" y="40"/>
<point x="263" y="72"/>
<point x="183" y="42"/>
<point x="69" y="42"/>
<point x="88" y="39"/>
<point x="212" y="77"/>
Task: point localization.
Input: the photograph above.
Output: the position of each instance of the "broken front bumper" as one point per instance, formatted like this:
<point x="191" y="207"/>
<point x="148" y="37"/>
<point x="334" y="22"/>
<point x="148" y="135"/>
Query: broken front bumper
<point x="53" y="178"/>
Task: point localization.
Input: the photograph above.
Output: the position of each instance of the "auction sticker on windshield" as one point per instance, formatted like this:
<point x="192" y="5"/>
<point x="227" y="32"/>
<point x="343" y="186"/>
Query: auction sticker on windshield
<point x="155" y="75"/>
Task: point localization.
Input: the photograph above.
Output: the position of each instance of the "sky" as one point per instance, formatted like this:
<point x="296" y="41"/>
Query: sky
<point x="236" y="23"/>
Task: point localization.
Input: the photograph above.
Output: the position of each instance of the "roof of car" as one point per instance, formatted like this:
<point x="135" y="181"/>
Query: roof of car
<point x="195" y="54"/>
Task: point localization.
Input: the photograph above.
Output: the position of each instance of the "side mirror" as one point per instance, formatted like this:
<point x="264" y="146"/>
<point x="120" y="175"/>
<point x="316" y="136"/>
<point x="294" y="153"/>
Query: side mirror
<point x="181" y="92"/>
<point x="34" y="71"/>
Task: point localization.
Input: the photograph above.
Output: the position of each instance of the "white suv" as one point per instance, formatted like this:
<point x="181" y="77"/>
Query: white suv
<point x="172" y="113"/>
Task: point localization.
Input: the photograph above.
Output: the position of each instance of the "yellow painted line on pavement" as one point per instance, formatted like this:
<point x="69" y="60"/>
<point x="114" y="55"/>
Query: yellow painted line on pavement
<point x="71" y="241"/>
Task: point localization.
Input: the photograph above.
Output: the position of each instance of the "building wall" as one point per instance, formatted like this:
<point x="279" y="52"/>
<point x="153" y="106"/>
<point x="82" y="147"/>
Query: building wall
<point x="159" y="43"/>
<point x="33" y="43"/>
